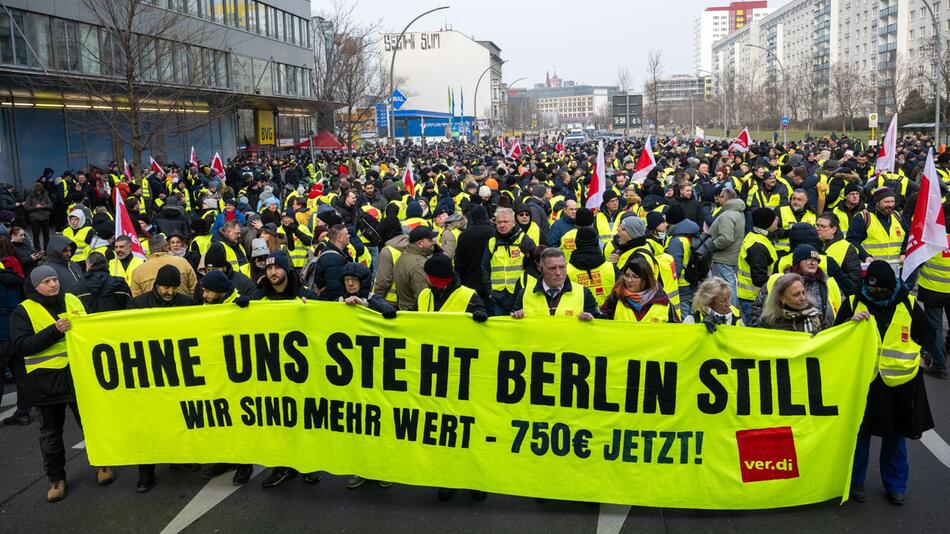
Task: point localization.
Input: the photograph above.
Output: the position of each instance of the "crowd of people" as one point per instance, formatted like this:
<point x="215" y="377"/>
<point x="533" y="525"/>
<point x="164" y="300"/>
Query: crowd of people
<point x="799" y="237"/>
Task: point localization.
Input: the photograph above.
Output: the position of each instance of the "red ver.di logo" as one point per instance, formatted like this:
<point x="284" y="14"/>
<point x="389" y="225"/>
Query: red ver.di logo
<point x="767" y="454"/>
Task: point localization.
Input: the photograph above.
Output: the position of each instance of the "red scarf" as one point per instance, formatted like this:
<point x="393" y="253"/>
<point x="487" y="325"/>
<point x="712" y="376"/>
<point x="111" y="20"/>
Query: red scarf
<point x="439" y="282"/>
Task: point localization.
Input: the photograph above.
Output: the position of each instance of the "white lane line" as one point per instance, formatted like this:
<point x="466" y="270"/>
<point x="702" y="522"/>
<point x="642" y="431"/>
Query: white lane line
<point x="80" y="445"/>
<point x="937" y="446"/>
<point x="8" y="399"/>
<point x="216" y="490"/>
<point x="611" y="517"/>
<point x="8" y="413"/>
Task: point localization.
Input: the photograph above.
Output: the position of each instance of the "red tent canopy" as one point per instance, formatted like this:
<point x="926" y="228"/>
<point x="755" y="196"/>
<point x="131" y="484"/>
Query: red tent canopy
<point x="322" y="141"/>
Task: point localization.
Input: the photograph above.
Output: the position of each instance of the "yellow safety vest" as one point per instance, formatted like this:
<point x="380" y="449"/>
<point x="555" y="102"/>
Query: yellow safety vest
<point x="201" y="243"/>
<point x="456" y="303"/>
<point x="78" y="237"/>
<point x="658" y="313"/>
<point x="898" y="356"/>
<point x="788" y="220"/>
<point x="298" y="256"/>
<point x="881" y="244"/>
<point x="746" y="289"/>
<point x="838" y="250"/>
<point x="53" y="357"/>
<point x="934" y="274"/>
<point x="687" y="253"/>
<point x="391" y="296"/>
<point x="507" y="264"/>
<point x="606" y="228"/>
<point x="571" y="304"/>
<point x="232" y="258"/>
<point x="834" y="293"/>
<point x="664" y="270"/>
<point x="844" y="221"/>
<point x="116" y="269"/>
<point x="736" y="316"/>
<point x="569" y="243"/>
<point x="599" y="280"/>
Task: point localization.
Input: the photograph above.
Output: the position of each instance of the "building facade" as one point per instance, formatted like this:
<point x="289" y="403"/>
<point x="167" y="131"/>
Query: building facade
<point x="714" y="23"/>
<point x="224" y="74"/>
<point x="569" y="103"/>
<point x="443" y="74"/>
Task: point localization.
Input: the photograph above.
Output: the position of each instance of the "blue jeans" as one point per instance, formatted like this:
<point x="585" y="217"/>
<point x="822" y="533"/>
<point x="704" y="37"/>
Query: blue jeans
<point x="894" y="467"/>
<point x="374" y="255"/>
<point x="727" y="273"/>
<point x="745" y="310"/>
<point x="938" y="350"/>
<point x="686" y="300"/>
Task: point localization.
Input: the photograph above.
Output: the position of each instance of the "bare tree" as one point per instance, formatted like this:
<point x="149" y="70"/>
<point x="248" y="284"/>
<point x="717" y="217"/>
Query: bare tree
<point x="849" y="89"/>
<point x="624" y="80"/>
<point x="652" y="87"/>
<point x="142" y="87"/>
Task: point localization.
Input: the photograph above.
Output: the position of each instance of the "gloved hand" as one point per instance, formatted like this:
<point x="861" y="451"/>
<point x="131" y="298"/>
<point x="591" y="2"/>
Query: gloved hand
<point x="242" y="301"/>
<point x="480" y="316"/>
<point x="710" y="324"/>
<point x="390" y="315"/>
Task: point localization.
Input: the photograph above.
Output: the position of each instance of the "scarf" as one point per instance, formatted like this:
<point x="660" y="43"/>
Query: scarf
<point x="439" y="282"/>
<point x="810" y="318"/>
<point x="635" y="300"/>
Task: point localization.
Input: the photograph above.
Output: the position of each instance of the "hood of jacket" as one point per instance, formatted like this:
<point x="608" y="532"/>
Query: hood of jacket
<point x="57" y="244"/>
<point x="685" y="227"/>
<point x="734" y="204"/>
<point x="399" y="242"/>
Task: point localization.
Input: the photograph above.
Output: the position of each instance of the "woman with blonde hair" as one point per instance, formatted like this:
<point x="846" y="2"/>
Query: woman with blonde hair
<point x="789" y="306"/>
<point x="712" y="305"/>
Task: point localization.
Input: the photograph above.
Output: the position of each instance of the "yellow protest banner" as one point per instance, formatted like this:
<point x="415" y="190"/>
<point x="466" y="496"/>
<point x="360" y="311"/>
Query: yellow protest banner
<point x="653" y="415"/>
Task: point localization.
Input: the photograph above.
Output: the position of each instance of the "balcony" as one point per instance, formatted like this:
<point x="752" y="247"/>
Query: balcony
<point x="890" y="28"/>
<point x="887" y="12"/>
<point x="890" y="47"/>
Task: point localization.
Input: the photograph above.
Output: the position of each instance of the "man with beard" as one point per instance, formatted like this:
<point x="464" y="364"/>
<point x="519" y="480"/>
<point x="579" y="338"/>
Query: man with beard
<point x="879" y="235"/>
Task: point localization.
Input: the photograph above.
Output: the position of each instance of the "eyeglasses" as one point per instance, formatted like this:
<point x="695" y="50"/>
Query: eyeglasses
<point x="822" y="226"/>
<point x="630" y="275"/>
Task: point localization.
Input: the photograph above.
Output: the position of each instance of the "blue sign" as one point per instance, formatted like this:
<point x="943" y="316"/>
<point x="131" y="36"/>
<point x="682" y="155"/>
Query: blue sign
<point x="785" y="122"/>
<point x="381" y="116"/>
<point x="398" y="99"/>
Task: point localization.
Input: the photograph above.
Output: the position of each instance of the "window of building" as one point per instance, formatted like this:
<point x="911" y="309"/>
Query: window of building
<point x="40" y="40"/>
<point x="89" y="49"/>
<point x="6" y="39"/>
<point x="261" y="19"/>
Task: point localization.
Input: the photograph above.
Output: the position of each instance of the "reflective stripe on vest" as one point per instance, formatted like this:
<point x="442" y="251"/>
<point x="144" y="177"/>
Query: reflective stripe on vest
<point x="934" y="274"/>
<point x="79" y="238"/>
<point x="884" y="244"/>
<point x="54" y="356"/>
<point x="898" y="355"/>
<point x="746" y="288"/>
<point x="391" y="294"/>
<point x="571" y="304"/>
<point x="457" y="302"/>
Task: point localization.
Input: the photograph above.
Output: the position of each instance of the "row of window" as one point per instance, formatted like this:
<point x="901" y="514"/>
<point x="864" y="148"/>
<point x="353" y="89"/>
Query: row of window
<point x="69" y="46"/>
<point x="247" y="15"/>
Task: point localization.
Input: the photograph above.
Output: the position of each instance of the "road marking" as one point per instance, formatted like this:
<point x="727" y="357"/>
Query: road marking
<point x="80" y="445"/>
<point x="611" y="517"/>
<point x="937" y="446"/>
<point x="8" y="413"/>
<point x="8" y="399"/>
<point x="216" y="490"/>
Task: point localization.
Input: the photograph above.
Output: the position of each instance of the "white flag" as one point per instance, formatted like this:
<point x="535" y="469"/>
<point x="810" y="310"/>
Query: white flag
<point x="928" y="233"/>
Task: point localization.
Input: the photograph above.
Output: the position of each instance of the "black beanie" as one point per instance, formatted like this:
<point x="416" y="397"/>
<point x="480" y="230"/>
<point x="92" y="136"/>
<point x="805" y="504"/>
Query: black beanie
<point x="803" y="234"/>
<point x="216" y="256"/>
<point x="586" y="236"/>
<point x="168" y="275"/>
<point x="880" y="274"/>
<point x="763" y="218"/>
<point x="675" y="215"/>
<point x="584" y="217"/>
<point x="439" y="265"/>
<point x="654" y="219"/>
<point x="803" y="252"/>
<point x="217" y="281"/>
<point x="852" y="188"/>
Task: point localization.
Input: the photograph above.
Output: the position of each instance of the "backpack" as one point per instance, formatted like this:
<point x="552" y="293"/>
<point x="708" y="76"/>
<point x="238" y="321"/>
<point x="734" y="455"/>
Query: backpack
<point x="700" y="259"/>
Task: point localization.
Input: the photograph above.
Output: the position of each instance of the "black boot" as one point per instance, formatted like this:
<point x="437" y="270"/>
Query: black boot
<point x="277" y="476"/>
<point x="146" y="478"/>
<point x="242" y="475"/>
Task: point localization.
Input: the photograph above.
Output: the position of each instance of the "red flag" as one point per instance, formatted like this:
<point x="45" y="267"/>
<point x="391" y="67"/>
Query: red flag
<point x="885" y="158"/>
<point x="671" y="143"/>
<point x="217" y="166"/>
<point x="127" y="171"/>
<point x="407" y="178"/>
<point x="194" y="157"/>
<point x="928" y="234"/>
<point x="742" y="142"/>
<point x="598" y="180"/>
<point x="515" y="151"/>
<point x="645" y="163"/>
<point x="123" y="225"/>
<point x="156" y="168"/>
<point x="559" y="147"/>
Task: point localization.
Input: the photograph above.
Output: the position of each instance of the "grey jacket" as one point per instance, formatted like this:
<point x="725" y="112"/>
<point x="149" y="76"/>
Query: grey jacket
<point x="727" y="232"/>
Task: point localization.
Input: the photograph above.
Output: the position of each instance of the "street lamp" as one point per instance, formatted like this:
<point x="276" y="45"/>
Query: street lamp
<point x="392" y="65"/>
<point x="506" y="101"/>
<point x="784" y="88"/>
<point x="937" y="71"/>
<point x="479" y="82"/>
<point x="722" y="92"/>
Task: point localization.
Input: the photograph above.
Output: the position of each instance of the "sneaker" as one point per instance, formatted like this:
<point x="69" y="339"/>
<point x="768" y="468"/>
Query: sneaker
<point x="446" y="494"/>
<point x="384" y="484"/>
<point x="213" y="470"/>
<point x="242" y="475"/>
<point x="21" y="419"/>
<point x="104" y="475"/>
<point x="277" y="476"/>
<point x="857" y="493"/>
<point x="146" y="482"/>
<point x="897" y="499"/>
<point x="312" y="478"/>
<point x="56" y="491"/>
<point x="355" y="482"/>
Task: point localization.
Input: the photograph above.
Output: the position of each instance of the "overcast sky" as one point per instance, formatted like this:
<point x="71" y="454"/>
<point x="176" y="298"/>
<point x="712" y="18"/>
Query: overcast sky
<point x="587" y="41"/>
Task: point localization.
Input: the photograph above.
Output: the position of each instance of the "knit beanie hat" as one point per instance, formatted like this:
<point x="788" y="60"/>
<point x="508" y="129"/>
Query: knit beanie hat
<point x="439" y="265"/>
<point x="259" y="247"/>
<point x="217" y="281"/>
<point x="803" y="252"/>
<point x="880" y="274"/>
<point x="881" y="193"/>
<point x="215" y="256"/>
<point x="634" y="226"/>
<point x="675" y="215"/>
<point x="763" y="218"/>
<point x="586" y="236"/>
<point x="41" y="273"/>
<point x="168" y="275"/>
<point x="654" y="219"/>
<point x="584" y="217"/>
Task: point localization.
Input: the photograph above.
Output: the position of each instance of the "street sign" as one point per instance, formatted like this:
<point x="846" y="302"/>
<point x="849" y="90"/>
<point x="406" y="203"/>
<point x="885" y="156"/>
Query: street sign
<point x="872" y="120"/>
<point x="785" y="122"/>
<point x="398" y="99"/>
<point x="381" y="116"/>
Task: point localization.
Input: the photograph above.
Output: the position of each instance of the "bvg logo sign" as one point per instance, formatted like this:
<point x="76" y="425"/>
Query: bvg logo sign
<point x="767" y="454"/>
